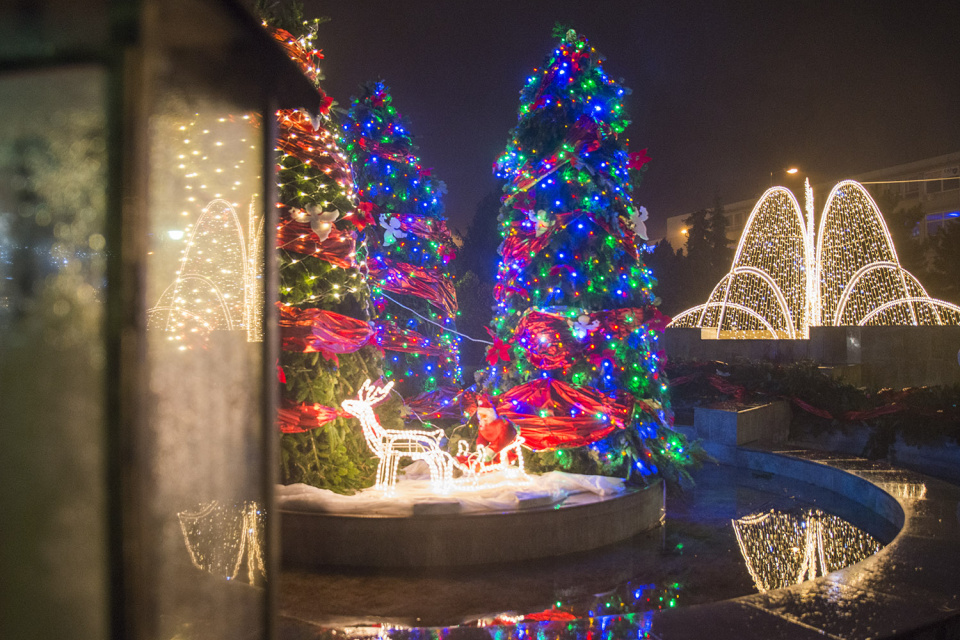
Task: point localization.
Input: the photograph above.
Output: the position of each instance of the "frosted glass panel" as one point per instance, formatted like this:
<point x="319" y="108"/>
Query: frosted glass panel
<point x="53" y="576"/>
<point x="204" y="289"/>
<point x="39" y="28"/>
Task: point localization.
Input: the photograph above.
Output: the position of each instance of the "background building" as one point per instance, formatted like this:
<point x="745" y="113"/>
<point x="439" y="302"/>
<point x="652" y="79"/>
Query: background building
<point x="932" y="183"/>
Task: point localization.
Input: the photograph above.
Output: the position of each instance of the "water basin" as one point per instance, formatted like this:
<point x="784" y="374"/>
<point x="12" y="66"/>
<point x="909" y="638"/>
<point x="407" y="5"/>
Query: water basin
<point x="736" y="532"/>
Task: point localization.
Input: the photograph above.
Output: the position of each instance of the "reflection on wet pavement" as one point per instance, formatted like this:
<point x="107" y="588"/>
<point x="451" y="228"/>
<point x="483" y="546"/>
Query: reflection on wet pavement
<point x="694" y="559"/>
<point x="223" y="539"/>
<point x="783" y="548"/>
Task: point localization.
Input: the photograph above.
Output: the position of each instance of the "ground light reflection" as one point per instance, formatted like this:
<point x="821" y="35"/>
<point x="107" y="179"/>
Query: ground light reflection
<point x="614" y="592"/>
<point x="781" y="549"/>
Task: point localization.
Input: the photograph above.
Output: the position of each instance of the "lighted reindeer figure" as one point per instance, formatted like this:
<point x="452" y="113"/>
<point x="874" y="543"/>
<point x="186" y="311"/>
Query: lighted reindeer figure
<point x="391" y="444"/>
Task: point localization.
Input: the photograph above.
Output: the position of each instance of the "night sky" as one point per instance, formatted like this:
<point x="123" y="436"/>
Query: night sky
<point x="723" y="92"/>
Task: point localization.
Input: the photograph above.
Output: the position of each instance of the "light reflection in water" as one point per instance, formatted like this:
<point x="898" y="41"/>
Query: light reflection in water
<point x="905" y="490"/>
<point x="785" y="548"/>
<point x="223" y="539"/>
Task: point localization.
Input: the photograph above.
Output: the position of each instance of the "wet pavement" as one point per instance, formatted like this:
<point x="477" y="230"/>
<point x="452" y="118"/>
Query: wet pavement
<point x="689" y="579"/>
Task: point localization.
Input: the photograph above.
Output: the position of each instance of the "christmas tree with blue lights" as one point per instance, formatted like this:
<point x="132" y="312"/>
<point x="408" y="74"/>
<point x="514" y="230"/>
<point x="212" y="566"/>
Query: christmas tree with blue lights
<point x="410" y="247"/>
<point x="575" y="360"/>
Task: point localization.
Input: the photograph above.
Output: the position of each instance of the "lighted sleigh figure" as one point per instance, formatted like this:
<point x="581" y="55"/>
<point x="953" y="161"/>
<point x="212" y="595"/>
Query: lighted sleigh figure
<point x="498" y="445"/>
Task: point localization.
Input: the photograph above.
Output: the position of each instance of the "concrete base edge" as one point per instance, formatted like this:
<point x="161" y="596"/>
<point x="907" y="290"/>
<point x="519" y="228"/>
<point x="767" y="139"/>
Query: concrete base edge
<point x="581" y="523"/>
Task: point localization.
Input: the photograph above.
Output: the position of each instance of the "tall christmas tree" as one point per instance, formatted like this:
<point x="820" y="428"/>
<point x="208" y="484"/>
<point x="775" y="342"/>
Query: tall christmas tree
<point x="329" y="347"/>
<point x="410" y="248"/>
<point x="575" y="360"/>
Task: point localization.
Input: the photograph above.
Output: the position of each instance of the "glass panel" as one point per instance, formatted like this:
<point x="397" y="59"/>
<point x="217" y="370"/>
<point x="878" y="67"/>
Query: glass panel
<point x="204" y="282"/>
<point x="39" y="28"/>
<point x="53" y="581"/>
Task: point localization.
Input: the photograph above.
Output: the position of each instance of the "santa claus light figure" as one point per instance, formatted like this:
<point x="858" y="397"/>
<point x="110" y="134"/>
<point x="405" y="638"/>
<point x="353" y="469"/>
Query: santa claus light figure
<point x="495" y="433"/>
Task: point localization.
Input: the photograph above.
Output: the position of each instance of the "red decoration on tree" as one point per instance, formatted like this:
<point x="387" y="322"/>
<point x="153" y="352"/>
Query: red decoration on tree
<point x="575" y="416"/>
<point x="364" y="215"/>
<point x="339" y="249"/>
<point x="298" y="418"/>
<point x="393" y="338"/>
<point x="313" y="330"/>
<point x="638" y="159"/>
<point x="404" y="278"/>
<point x="498" y="351"/>
<point x="598" y="359"/>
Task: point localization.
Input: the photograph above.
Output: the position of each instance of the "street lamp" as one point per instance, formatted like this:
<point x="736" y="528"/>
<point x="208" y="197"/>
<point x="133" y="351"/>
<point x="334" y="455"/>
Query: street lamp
<point x="791" y="171"/>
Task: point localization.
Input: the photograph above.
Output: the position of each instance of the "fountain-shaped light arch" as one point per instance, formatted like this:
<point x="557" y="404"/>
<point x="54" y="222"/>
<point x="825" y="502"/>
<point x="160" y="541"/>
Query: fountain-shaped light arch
<point x="858" y="268"/>
<point x="766" y="288"/>
<point x="210" y="290"/>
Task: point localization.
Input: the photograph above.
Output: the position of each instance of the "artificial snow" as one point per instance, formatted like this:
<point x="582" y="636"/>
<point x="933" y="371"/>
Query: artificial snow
<point x="492" y="492"/>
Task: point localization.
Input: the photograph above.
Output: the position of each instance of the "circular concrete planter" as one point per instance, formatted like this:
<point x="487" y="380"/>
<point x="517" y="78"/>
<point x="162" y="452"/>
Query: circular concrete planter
<point x="579" y="523"/>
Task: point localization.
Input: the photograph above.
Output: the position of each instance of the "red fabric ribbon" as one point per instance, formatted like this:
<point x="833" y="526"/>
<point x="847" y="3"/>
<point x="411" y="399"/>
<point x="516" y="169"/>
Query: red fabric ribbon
<point x="394" y="152"/>
<point x="298" y="418"/>
<point x="300" y="139"/>
<point x="318" y="330"/>
<point x="438" y="404"/>
<point x="595" y="414"/>
<point x="432" y="229"/>
<point x="339" y="249"/>
<point x="429" y="284"/>
<point x="307" y="60"/>
<point x="550" y="344"/>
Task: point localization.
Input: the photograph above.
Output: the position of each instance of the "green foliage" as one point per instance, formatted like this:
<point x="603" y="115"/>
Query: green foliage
<point x="335" y="456"/>
<point x="287" y="15"/>
<point x="929" y="415"/>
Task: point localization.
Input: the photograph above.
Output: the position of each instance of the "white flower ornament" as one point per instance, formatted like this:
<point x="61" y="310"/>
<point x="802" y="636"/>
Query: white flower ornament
<point x="391" y="229"/>
<point x="321" y="222"/>
<point x="583" y="327"/>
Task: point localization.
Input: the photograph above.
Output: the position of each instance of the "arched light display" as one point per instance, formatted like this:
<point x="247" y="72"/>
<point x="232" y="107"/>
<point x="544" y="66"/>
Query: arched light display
<point x="778" y="287"/>
<point x="782" y="548"/>
<point x="218" y="285"/>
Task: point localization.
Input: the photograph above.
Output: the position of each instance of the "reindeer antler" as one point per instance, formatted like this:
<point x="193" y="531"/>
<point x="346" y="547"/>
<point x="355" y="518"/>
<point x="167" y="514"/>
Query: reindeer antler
<point x="371" y="394"/>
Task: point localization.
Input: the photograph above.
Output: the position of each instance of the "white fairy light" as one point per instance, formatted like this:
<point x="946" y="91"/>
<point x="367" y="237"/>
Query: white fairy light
<point x="220" y="539"/>
<point x="390" y="445"/>
<point x="782" y="548"/>
<point x="221" y="264"/>
<point x="778" y="287"/>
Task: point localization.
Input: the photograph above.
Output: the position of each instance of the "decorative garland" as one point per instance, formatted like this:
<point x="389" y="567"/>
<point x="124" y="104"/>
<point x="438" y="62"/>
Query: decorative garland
<point x="429" y="284"/>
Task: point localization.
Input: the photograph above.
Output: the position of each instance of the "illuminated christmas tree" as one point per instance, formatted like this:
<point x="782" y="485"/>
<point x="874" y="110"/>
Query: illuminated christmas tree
<point x="329" y="347"/>
<point x="410" y="247"/>
<point x="575" y="360"/>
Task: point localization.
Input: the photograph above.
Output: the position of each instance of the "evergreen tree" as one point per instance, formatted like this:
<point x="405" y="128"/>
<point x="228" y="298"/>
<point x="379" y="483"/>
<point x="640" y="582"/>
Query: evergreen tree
<point x="698" y="278"/>
<point x="476" y="267"/>
<point x="574" y="299"/>
<point x="697" y="246"/>
<point x="721" y="255"/>
<point x="322" y="280"/>
<point x="668" y="263"/>
<point x="410" y="249"/>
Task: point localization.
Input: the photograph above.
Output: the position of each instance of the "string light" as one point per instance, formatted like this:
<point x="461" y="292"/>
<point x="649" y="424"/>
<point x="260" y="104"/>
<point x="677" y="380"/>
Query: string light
<point x="782" y="548"/>
<point x="778" y="287"/>
<point x="390" y="445"/>
<point x="218" y="285"/>
<point x="220" y="539"/>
